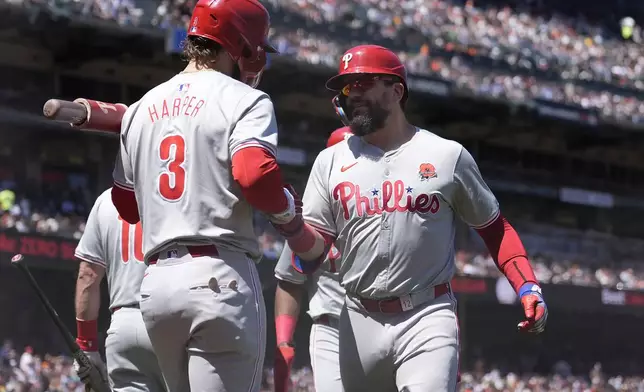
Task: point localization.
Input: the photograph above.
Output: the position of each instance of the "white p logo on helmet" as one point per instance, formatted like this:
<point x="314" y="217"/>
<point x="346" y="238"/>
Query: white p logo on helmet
<point x="346" y="58"/>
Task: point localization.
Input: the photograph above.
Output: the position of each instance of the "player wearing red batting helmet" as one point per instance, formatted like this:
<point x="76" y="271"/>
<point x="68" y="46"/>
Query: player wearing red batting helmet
<point x="197" y="156"/>
<point x="395" y="231"/>
<point x="240" y="27"/>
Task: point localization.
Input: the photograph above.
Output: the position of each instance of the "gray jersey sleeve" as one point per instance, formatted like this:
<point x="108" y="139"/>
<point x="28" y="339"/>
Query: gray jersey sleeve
<point x="90" y="246"/>
<point x="284" y="269"/>
<point x="473" y="201"/>
<point x="317" y="210"/>
<point x="255" y="125"/>
<point x="123" y="173"/>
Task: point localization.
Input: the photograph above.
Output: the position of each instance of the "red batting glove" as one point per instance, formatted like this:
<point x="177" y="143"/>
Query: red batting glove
<point x="534" y="308"/>
<point x="284" y="355"/>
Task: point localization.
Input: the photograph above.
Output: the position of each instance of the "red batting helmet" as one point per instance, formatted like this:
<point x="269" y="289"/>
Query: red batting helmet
<point x="338" y="135"/>
<point x="240" y="27"/>
<point x="365" y="59"/>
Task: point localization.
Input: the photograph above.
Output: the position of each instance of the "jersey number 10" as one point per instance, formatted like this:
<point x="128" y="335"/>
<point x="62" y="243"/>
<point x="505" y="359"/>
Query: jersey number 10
<point x="126" y="240"/>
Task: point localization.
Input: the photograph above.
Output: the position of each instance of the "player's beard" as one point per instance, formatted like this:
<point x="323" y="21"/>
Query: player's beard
<point x="367" y="121"/>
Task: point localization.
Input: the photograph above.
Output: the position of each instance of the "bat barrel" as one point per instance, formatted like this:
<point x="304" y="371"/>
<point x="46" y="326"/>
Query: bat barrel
<point x="65" y="111"/>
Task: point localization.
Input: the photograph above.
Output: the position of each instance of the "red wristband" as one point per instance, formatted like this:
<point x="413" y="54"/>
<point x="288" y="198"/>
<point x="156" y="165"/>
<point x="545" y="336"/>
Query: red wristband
<point x="87" y="332"/>
<point x="285" y="328"/>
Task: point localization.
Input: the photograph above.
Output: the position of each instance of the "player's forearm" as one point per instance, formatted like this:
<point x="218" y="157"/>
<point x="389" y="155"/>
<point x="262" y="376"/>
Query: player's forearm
<point x="88" y="302"/>
<point x="260" y="179"/>
<point x="507" y="250"/>
<point x="288" y="298"/>
<point x="310" y="248"/>
<point x="308" y="244"/>
<point x="88" y="291"/>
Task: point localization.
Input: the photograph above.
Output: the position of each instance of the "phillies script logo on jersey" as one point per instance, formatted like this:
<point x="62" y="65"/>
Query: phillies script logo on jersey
<point x="391" y="197"/>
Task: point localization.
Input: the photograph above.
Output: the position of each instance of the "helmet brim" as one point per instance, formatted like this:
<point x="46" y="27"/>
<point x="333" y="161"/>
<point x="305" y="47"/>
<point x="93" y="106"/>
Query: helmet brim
<point x="337" y="82"/>
<point x="268" y="48"/>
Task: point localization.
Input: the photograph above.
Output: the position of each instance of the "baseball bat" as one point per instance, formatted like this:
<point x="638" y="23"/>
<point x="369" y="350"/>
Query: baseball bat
<point x="86" y="114"/>
<point x="96" y="381"/>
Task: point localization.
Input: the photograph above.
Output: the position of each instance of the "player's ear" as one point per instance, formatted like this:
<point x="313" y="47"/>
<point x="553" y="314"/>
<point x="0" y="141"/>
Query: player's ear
<point x="398" y="92"/>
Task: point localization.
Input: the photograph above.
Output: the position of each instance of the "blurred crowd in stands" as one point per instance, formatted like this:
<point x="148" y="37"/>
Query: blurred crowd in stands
<point x="516" y="53"/>
<point x="53" y="212"/>
<point x="27" y="371"/>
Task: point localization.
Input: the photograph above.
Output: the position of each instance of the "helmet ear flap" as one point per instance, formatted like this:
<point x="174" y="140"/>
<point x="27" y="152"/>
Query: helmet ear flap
<point x="339" y="103"/>
<point x="252" y="68"/>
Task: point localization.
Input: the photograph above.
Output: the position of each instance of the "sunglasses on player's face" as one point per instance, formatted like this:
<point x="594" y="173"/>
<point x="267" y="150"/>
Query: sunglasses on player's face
<point x="364" y="83"/>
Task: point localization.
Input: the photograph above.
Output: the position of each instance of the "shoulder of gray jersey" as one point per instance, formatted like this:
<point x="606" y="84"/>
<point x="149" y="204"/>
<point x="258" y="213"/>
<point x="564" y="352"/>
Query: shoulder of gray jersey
<point x="128" y="116"/>
<point x="105" y="197"/>
<point x="326" y="157"/>
<point x="284" y="268"/>
<point x="102" y="210"/>
<point x="245" y="97"/>
<point x="450" y="148"/>
<point x="449" y="145"/>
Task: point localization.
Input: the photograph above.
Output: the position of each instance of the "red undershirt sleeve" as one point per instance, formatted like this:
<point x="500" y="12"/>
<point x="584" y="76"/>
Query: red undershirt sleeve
<point x="125" y="202"/>
<point x="260" y="179"/>
<point x="507" y="250"/>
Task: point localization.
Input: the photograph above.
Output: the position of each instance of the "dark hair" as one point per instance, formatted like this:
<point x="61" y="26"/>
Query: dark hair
<point x="201" y="50"/>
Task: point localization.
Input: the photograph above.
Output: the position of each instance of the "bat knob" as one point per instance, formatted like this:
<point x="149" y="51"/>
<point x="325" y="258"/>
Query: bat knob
<point x="17" y="258"/>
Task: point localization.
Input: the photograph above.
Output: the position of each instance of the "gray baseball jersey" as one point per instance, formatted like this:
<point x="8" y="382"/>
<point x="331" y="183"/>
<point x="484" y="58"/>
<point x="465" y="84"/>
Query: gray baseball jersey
<point x="116" y="245"/>
<point x="176" y="148"/>
<point x="326" y="296"/>
<point x="392" y="214"/>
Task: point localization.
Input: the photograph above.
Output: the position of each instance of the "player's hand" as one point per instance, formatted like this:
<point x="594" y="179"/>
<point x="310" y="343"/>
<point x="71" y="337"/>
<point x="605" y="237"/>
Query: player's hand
<point x="284" y="355"/>
<point x="289" y="222"/>
<point x="534" y="307"/>
<point x="84" y="373"/>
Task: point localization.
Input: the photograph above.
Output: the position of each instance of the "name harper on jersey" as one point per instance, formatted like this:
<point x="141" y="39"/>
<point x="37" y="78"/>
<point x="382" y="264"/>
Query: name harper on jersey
<point x="175" y="108"/>
<point x="390" y="198"/>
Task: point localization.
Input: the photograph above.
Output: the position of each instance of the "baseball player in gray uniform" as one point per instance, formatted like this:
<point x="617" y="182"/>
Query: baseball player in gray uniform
<point x="197" y="155"/>
<point x="112" y="246"/>
<point x="326" y="298"/>
<point x="388" y="198"/>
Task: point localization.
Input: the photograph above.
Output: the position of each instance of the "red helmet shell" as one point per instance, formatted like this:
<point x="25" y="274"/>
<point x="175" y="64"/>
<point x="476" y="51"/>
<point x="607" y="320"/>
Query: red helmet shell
<point x="367" y="59"/>
<point x="240" y="27"/>
<point x="234" y="24"/>
<point x="338" y="135"/>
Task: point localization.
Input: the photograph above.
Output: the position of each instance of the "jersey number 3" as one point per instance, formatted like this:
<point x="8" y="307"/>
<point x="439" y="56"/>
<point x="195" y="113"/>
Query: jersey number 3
<point x="126" y="240"/>
<point x="172" y="182"/>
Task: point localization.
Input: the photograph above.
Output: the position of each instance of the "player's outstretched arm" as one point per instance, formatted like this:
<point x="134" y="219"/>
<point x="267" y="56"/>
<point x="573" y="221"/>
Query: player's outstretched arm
<point x="477" y="206"/>
<point x="252" y="146"/>
<point x="288" y="299"/>
<point x="319" y="218"/>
